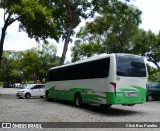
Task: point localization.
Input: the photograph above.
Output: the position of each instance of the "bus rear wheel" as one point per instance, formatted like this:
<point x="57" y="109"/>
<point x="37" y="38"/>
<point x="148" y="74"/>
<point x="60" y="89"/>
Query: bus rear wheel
<point x="47" y="93"/>
<point x="78" y="100"/>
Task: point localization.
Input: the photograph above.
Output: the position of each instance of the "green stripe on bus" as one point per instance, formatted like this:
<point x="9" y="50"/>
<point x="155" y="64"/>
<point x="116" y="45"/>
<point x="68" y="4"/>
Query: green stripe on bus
<point x="120" y="97"/>
<point x="111" y="99"/>
<point x="108" y="98"/>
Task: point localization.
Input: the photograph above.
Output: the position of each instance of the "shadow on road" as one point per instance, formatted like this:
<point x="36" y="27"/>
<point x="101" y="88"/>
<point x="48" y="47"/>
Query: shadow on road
<point x="13" y="96"/>
<point x="111" y="111"/>
<point x="115" y="110"/>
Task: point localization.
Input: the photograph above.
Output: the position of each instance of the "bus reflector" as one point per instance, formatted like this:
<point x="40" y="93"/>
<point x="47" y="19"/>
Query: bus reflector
<point x="114" y="85"/>
<point x="118" y="78"/>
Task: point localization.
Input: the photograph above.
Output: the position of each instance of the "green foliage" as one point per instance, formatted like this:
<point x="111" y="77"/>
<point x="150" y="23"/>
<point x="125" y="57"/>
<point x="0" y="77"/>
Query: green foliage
<point x="154" y="74"/>
<point x="15" y="76"/>
<point x="29" y="65"/>
<point x="117" y="23"/>
<point x="68" y="16"/>
<point x="54" y="18"/>
<point x="141" y="42"/>
<point x="36" y="61"/>
<point x="7" y="67"/>
<point x="1" y="84"/>
<point x="86" y="50"/>
<point x="33" y="16"/>
<point x="113" y="30"/>
<point x="154" y="54"/>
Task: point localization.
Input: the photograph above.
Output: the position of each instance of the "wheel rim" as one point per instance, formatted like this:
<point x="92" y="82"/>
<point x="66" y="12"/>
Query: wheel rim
<point x="149" y="98"/>
<point x="78" y="101"/>
<point x="27" y="96"/>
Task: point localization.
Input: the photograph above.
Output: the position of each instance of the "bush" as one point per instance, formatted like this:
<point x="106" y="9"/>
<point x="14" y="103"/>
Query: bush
<point x="1" y="84"/>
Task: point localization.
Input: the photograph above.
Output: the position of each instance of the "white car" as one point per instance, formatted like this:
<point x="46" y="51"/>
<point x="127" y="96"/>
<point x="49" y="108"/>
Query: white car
<point x="31" y="90"/>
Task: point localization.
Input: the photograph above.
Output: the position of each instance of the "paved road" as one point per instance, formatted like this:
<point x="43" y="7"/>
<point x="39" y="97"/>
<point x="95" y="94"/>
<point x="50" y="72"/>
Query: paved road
<point x="8" y="90"/>
<point x="13" y="109"/>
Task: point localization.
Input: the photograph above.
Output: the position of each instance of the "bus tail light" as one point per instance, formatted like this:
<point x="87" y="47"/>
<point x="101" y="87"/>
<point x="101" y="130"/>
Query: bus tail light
<point x="114" y="85"/>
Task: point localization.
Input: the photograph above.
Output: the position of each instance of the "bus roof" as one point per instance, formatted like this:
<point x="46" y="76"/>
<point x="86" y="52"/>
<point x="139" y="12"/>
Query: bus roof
<point x="93" y="58"/>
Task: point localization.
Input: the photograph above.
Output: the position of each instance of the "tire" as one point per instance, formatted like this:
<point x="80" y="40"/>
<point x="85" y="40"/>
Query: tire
<point x="149" y="98"/>
<point x="27" y="95"/>
<point x="78" y="100"/>
<point x="20" y="97"/>
<point x="48" y="99"/>
<point x="41" y="96"/>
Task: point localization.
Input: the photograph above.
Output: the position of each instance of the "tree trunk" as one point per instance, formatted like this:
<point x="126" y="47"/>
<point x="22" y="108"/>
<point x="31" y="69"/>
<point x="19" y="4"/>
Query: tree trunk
<point x="2" y="42"/>
<point x="65" y="48"/>
<point x="7" y="22"/>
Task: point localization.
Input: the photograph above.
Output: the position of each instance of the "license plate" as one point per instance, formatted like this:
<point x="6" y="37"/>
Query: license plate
<point x="131" y="94"/>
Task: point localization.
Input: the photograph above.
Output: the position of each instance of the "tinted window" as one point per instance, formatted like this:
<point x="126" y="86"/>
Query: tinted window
<point x="88" y="70"/>
<point x="130" y="66"/>
<point x="153" y="85"/>
<point x="41" y="86"/>
<point x="34" y="87"/>
<point x="156" y="85"/>
<point x="150" y="85"/>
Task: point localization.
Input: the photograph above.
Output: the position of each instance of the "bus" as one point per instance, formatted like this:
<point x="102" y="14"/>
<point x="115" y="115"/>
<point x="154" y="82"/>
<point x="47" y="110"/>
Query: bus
<point x="103" y="80"/>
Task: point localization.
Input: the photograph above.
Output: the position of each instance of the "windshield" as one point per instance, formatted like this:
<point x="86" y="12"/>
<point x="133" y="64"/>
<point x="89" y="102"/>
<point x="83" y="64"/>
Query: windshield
<point x="130" y="66"/>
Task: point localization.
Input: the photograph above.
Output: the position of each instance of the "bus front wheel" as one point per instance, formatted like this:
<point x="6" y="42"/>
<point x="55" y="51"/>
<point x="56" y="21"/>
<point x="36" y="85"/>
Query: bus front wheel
<point x="78" y="100"/>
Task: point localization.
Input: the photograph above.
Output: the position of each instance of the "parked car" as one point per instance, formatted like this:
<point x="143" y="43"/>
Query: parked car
<point x="31" y="91"/>
<point x="20" y="85"/>
<point x="153" y="91"/>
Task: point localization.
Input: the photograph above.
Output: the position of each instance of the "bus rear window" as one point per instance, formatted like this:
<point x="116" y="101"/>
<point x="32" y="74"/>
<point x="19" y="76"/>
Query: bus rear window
<point x="130" y="66"/>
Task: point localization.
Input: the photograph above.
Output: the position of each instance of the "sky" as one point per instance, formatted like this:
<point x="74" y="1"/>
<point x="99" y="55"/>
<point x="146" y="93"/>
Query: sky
<point x="19" y="40"/>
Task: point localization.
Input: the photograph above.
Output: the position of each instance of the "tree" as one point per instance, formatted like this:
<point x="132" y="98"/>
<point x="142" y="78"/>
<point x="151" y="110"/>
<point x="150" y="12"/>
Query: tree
<point x="15" y="76"/>
<point x="71" y="12"/>
<point x="153" y="54"/>
<point x="7" y="67"/>
<point x="35" y="62"/>
<point x="29" y="65"/>
<point x="79" y="51"/>
<point x="46" y="58"/>
<point x="116" y="25"/>
<point x="34" y="18"/>
<point x="68" y="16"/>
<point x="154" y="74"/>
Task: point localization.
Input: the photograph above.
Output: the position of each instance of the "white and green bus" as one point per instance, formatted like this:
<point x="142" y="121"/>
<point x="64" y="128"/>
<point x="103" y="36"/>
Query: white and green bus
<point x="104" y="80"/>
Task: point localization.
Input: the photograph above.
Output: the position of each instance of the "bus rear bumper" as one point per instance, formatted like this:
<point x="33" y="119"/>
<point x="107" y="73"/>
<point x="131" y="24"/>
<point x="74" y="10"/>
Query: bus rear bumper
<point x="122" y="99"/>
